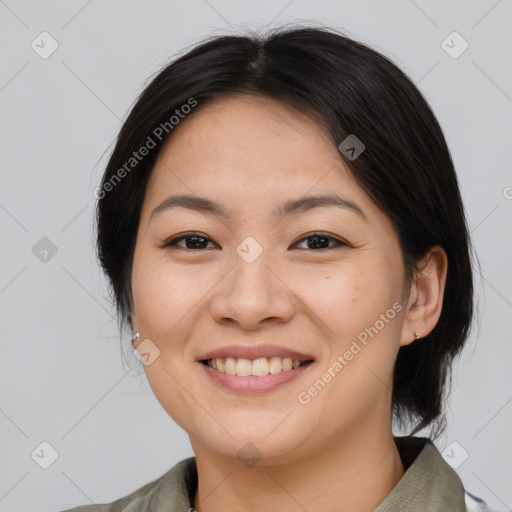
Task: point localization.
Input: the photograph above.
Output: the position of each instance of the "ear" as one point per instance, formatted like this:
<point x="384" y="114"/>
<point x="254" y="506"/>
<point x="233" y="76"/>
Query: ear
<point x="426" y="296"/>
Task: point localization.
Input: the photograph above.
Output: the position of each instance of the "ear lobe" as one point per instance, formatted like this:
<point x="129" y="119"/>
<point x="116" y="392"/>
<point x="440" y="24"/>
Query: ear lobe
<point x="426" y="298"/>
<point x="133" y="324"/>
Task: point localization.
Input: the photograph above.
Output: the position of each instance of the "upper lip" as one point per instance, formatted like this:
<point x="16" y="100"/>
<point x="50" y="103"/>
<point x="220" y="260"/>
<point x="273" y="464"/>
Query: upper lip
<point x="254" y="352"/>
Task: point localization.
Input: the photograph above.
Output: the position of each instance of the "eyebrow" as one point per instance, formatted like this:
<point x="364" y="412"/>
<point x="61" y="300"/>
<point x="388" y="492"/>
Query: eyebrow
<point x="291" y="207"/>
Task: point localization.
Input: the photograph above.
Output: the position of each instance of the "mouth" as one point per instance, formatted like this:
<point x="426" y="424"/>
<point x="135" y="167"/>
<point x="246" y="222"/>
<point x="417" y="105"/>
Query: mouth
<point x="260" y="367"/>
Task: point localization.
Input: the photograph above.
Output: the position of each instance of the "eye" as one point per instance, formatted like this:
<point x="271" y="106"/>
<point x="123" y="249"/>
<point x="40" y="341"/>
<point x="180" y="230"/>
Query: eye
<point x="198" y="241"/>
<point x="319" y="240"/>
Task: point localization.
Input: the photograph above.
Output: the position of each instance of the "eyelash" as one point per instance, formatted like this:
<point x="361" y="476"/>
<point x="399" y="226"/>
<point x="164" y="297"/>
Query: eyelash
<point x="339" y="243"/>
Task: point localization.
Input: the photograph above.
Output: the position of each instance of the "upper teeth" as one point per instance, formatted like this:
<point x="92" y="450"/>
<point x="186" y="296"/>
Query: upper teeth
<point x="259" y="367"/>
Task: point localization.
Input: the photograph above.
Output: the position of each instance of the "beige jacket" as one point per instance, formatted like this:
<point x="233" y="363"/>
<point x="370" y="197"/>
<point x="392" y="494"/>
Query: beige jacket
<point x="428" y="485"/>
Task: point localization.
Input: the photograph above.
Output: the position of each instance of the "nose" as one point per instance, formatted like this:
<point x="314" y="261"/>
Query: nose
<point x="253" y="294"/>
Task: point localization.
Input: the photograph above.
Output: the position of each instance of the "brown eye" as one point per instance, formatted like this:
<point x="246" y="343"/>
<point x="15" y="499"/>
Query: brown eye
<point x="193" y="241"/>
<point x="322" y="240"/>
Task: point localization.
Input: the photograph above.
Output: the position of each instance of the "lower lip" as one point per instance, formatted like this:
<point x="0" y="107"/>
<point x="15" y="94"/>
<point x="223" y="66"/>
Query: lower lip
<point x="252" y="384"/>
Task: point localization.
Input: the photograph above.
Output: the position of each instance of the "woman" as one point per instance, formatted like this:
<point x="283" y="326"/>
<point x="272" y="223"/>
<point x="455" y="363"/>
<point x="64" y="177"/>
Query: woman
<point x="282" y="227"/>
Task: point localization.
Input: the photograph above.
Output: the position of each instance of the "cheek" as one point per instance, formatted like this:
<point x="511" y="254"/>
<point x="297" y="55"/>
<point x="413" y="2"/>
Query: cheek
<point x="361" y="315"/>
<point x="164" y="296"/>
<point x="164" y="299"/>
<point x="364" y="321"/>
<point x="347" y="300"/>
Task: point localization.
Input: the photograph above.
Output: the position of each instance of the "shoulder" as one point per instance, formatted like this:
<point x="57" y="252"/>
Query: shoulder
<point x="173" y="488"/>
<point x="129" y="503"/>
<point x="430" y="482"/>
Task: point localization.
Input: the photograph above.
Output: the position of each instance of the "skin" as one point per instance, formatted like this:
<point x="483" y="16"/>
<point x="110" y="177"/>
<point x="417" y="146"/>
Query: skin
<point x="337" y="451"/>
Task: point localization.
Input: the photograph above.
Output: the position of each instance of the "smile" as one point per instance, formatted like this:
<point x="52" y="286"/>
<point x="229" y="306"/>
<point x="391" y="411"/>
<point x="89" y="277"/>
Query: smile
<point x="256" y="376"/>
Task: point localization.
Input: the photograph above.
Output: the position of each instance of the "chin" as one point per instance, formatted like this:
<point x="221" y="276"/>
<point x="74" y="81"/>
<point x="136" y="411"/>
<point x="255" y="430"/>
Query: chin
<point x="252" y="443"/>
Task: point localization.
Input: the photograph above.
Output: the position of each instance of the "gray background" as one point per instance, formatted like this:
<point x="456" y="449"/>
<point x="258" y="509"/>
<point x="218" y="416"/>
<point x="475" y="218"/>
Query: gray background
<point x="62" y="377"/>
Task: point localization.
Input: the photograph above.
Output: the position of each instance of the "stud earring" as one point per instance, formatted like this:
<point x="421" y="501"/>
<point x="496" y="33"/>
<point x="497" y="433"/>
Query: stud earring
<point x="135" y="336"/>
<point x="416" y="336"/>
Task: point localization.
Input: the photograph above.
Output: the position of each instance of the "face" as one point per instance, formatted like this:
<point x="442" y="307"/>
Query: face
<point x="257" y="280"/>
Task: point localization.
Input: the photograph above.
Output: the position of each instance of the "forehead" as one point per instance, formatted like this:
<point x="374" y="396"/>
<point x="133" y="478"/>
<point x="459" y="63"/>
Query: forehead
<point x="253" y="152"/>
<point x="240" y="127"/>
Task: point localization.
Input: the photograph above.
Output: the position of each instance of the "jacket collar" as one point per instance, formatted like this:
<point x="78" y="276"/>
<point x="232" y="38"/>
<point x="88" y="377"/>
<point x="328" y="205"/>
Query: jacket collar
<point x="429" y="482"/>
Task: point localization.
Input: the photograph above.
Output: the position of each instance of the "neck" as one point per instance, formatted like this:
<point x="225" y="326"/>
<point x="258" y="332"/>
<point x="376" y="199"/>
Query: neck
<point x="356" y="473"/>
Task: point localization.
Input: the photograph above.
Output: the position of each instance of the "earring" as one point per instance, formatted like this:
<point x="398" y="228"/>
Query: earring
<point x="135" y="336"/>
<point x="416" y="336"/>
